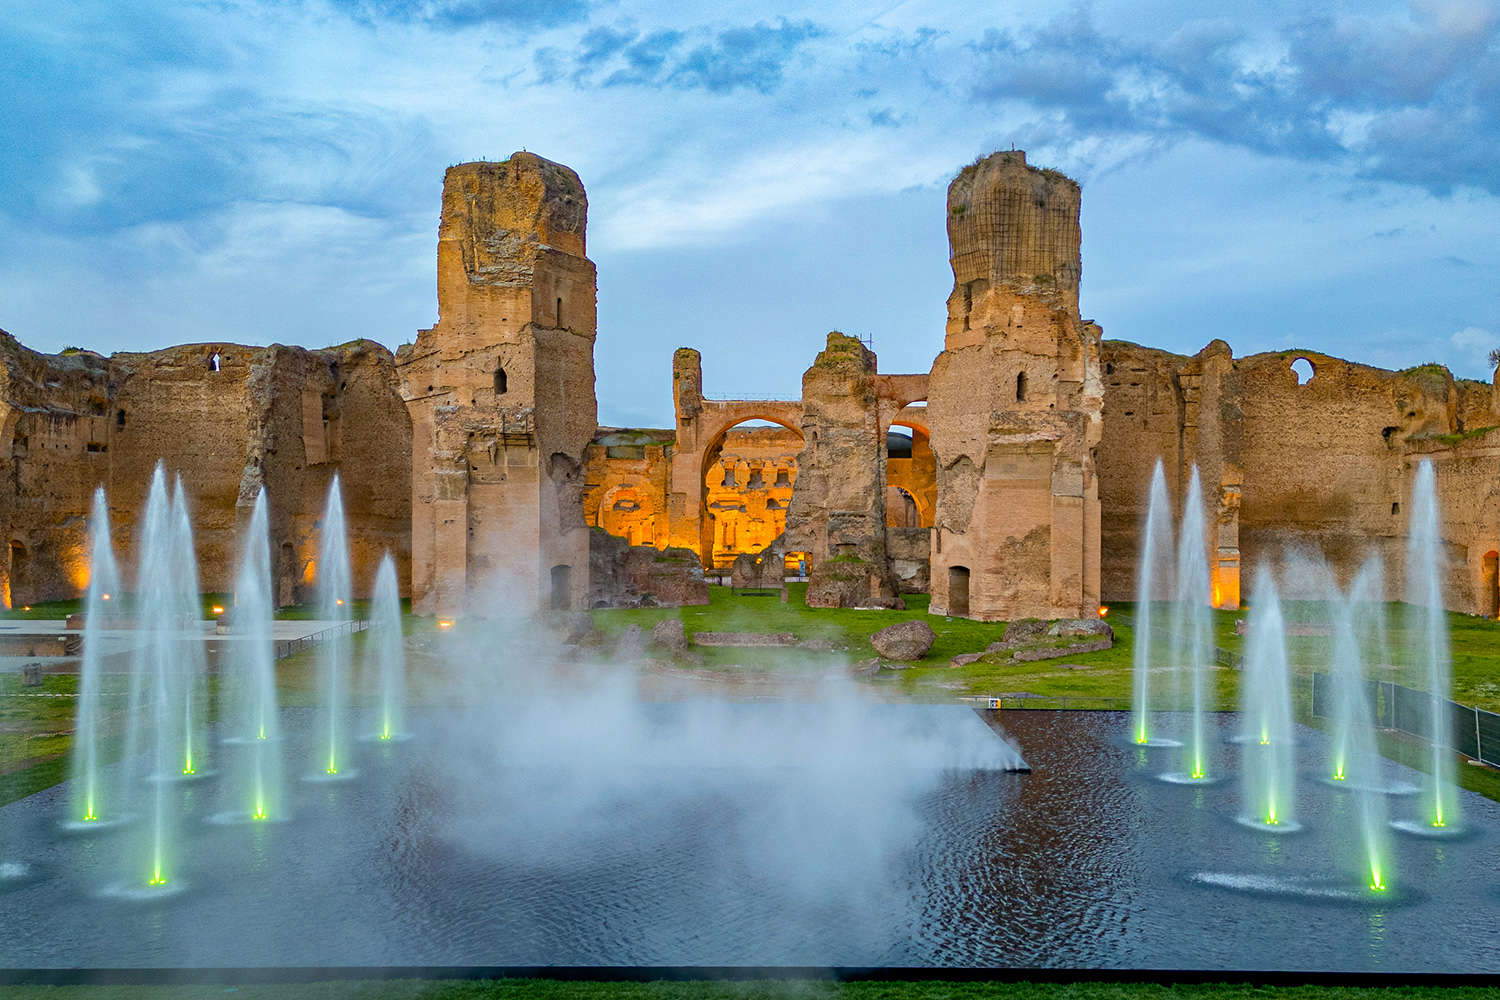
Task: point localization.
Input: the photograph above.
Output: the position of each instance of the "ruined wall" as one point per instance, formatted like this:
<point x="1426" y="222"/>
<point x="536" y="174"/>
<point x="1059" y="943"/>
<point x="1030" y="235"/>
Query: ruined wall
<point x="1014" y="403"/>
<point x="501" y="393"/>
<point x="838" y="516"/>
<point x="1324" y="464"/>
<point x="229" y="419"/>
<point x="626" y="481"/>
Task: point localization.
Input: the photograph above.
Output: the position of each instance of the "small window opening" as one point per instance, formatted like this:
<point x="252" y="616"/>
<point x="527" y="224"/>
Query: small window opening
<point x="1396" y="507"/>
<point x="559" y="311"/>
<point x="1021" y="387"/>
<point x="728" y="476"/>
<point x="119" y="418"/>
<point x="1109" y="368"/>
<point x="783" y="477"/>
<point x="1386" y="432"/>
<point x="1304" y="370"/>
<point x="501" y="382"/>
<point x="213" y="361"/>
<point x="97" y="448"/>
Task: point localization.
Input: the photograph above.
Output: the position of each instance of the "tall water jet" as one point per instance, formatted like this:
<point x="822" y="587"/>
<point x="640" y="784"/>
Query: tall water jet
<point x="1357" y="763"/>
<point x="1191" y="630"/>
<point x="1151" y="580"/>
<point x="1427" y="629"/>
<point x="334" y="594"/>
<point x="251" y="718"/>
<point x="92" y="804"/>
<point x="1268" y="769"/>
<point x="191" y="660"/>
<point x="385" y="648"/>
<point x="160" y="743"/>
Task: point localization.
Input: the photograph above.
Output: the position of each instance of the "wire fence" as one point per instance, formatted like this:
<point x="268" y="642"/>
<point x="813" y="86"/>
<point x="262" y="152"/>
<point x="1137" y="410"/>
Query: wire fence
<point x="1473" y="732"/>
<point x="289" y="647"/>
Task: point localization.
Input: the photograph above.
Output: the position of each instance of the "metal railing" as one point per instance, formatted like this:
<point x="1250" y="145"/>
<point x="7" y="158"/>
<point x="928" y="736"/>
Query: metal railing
<point x="1475" y="732"/>
<point x="289" y="647"/>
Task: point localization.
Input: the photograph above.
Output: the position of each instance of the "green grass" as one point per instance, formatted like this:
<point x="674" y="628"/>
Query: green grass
<point x="549" y="989"/>
<point x="1105" y="683"/>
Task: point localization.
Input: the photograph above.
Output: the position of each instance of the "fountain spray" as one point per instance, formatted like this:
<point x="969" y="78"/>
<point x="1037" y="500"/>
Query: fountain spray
<point x="1429" y="647"/>
<point x="334" y="594"/>
<point x="1360" y="768"/>
<point x="1268" y="770"/>
<point x="386" y="646"/>
<point x="1150" y="578"/>
<point x="1191" y="627"/>
<point x="252" y="717"/>
<point x="92" y="804"/>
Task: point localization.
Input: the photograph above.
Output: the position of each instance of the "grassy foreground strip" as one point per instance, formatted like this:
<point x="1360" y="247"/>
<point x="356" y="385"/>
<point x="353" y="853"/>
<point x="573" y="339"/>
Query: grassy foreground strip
<point x="548" y="989"/>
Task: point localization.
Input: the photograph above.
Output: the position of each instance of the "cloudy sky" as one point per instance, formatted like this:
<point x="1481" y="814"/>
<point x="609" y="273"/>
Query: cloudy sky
<point x="1319" y="175"/>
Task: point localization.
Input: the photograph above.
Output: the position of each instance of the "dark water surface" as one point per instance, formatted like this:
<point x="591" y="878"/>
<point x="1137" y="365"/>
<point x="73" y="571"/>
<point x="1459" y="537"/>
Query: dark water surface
<point x="1086" y="862"/>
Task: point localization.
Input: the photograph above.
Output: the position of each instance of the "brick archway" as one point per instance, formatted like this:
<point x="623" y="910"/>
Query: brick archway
<point x="700" y="437"/>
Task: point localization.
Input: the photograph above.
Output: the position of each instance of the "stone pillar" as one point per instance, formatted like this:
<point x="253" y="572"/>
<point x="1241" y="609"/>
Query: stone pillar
<point x="837" y="512"/>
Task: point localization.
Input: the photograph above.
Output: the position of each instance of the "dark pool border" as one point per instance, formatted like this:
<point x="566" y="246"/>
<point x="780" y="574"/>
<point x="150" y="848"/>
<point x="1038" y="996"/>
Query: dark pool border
<point x="725" y="973"/>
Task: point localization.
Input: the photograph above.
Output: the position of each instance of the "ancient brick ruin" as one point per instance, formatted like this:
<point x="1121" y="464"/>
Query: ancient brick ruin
<point x="1008" y="481"/>
<point x="230" y="419"/>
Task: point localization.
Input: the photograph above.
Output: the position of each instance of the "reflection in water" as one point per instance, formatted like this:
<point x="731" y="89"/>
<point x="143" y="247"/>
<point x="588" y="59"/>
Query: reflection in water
<point x="1085" y="862"/>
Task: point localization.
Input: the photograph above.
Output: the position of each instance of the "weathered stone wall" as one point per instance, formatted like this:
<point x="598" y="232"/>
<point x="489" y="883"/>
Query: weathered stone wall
<point x="838" y="516"/>
<point x="501" y="393"/>
<point x="227" y="418"/>
<point x="1324" y="464"/>
<point x="1014" y="403"/>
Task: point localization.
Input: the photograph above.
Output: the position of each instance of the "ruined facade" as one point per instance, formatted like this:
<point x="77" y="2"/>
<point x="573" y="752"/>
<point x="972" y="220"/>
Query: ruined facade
<point x="1008" y="481"/>
<point x="501" y="393"/>
<point x="231" y="420"/>
<point x="1320" y="459"/>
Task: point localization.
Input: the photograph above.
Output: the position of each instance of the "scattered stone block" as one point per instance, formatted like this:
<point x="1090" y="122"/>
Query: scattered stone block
<point x="1067" y="627"/>
<point x="669" y="634"/>
<point x="904" y="640"/>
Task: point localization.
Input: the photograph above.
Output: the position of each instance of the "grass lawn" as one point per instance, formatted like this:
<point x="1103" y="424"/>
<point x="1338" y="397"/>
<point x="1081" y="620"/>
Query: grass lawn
<point x="34" y="741"/>
<point x="545" y="989"/>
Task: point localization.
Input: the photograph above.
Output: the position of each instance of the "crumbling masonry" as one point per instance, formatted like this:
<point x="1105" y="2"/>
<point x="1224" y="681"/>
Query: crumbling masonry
<point x="1008" y="481"/>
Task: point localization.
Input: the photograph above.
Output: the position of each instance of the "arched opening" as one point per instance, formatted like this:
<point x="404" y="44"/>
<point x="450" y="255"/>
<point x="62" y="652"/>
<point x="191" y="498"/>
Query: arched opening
<point x="17" y="581"/>
<point x="911" y="468"/>
<point x="1304" y="370"/>
<point x="502" y="383"/>
<point x="745" y="513"/>
<point x="214" y="361"/>
<point x="1021" y="387"/>
<point x="625" y="514"/>
<point x="958" y="591"/>
<point x="1489" y="594"/>
<point x="562" y="588"/>
<point x="900" y="509"/>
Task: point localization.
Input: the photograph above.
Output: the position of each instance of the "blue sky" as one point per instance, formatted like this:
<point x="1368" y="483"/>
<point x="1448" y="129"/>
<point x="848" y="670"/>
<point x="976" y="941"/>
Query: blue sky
<point x="1324" y="176"/>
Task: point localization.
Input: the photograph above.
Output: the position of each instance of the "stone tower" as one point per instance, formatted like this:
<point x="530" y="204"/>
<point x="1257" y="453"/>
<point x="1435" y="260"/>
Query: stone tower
<point x="501" y="393"/>
<point x="1015" y="403"/>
